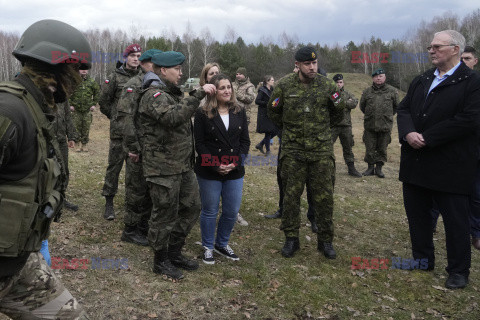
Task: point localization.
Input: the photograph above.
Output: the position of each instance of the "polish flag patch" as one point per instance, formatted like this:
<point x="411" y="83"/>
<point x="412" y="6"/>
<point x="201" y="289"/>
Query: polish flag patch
<point x="129" y="90"/>
<point x="107" y="81"/>
<point x="335" y="96"/>
<point x="157" y="94"/>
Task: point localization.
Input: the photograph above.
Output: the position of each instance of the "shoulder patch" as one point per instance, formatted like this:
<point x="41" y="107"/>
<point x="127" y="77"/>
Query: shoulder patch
<point x="275" y="102"/>
<point x="158" y="93"/>
<point x="107" y="81"/>
<point x="129" y="89"/>
<point x="335" y="96"/>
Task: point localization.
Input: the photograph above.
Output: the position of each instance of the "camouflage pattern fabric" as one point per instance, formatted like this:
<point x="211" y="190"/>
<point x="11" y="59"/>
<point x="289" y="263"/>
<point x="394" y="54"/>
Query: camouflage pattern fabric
<point x="84" y="97"/>
<point x="305" y="113"/>
<point x="346" y="139"/>
<point x="245" y="94"/>
<point x="350" y="104"/>
<point x="176" y="208"/>
<point x="168" y="156"/>
<point x="379" y="106"/>
<point x="35" y="292"/>
<point x="83" y="121"/>
<point x="110" y="93"/>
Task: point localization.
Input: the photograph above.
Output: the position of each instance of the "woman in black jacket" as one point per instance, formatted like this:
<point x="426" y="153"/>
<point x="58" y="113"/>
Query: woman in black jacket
<point x="222" y="143"/>
<point x="264" y="124"/>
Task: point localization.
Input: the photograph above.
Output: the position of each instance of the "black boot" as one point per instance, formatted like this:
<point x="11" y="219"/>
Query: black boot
<point x="276" y="215"/>
<point x="378" y="170"/>
<point x="291" y="245"/>
<point x="260" y="147"/>
<point x="327" y="249"/>
<point x="352" y="170"/>
<point x="179" y="260"/>
<point x="162" y="265"/>
<point x="109" y="212"/>
<point x="70" y="206"/>
<point x="370" y="170"/>
<point x="132" y="234"/>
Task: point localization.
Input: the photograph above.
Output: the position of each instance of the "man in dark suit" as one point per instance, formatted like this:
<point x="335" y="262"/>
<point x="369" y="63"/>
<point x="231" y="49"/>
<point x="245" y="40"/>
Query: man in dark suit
<point x="437" y="123"/>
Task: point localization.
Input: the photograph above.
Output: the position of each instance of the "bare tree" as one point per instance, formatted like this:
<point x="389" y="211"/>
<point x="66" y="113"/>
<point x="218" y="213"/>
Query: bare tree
<point x="471" y="27"/>
<point x="207" y="42"/>
<point x="230" y="35"/>
<point x="188" y="38"/>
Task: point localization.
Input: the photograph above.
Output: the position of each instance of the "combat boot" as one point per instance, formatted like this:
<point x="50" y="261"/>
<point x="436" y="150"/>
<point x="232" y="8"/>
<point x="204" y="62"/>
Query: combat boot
<point x="259" y="147"/>
<point x="162" y="265"/>
<point x="352" y="170"/>
<point x="109" y="212"/>
<point x="276" y="215"/>
<point x="132" y="234"/>
<point x="378" y="170"/>
<point x="70" y="206"/>
<point x="292" y="244"/>
<point x="327" y="249"/>
<point x="179" y="260"/>
<point x="370" y="170"/>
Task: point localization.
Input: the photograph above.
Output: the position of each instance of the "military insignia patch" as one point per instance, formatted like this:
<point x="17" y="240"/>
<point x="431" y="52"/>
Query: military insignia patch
<point x="275" y="102"/>
<point x="129" y="90"/>
<point x="107" y="81"/>
<point x="157" y="94"/>
<point x="313" y="55"/>
<point x="335" y="96"/>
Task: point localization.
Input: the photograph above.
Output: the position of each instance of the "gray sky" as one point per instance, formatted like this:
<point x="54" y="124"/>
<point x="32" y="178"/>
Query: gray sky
<point x="323" y="21"/>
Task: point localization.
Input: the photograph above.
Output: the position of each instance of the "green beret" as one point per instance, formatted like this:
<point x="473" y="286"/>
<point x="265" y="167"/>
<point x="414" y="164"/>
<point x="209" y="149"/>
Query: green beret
<point x="305" y="54"/>
<point x="168" y="59"/>
<point x="377" y="72"/>
<point x="242" y="70"/>
<point x="147" y="55"/>
<point x="337" y="77"/>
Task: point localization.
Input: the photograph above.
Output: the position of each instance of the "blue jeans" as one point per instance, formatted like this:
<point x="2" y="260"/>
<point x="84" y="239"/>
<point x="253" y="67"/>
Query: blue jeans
<point x="210" y="192"/>
<point x="475" y="206"/>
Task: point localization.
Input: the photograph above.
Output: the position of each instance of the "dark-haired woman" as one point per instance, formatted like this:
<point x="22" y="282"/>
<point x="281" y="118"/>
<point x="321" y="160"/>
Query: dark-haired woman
<point x="264" y="124"/>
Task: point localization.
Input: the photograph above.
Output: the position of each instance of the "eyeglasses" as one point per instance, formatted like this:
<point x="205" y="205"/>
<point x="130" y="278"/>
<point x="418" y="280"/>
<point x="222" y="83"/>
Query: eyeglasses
<point x="435" y="47"/>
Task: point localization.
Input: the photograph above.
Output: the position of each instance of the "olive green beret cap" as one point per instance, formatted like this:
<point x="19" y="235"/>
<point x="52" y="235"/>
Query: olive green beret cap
<point x="168" y="59"/>
<point x="147" y="55"/>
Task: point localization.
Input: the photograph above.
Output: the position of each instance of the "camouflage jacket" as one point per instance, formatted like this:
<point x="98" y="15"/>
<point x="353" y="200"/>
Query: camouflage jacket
<point x="111" y="90"/>
<point x="379" y="106"/>
<point x="166" y="130"/>
<point x="127" y="109"/>
<point x="244" y="91"/>
<point x="62" y="125"/>
<point x="350" y="104"/>
<point x="86" y="95"/>
<point x="305" y="113"/>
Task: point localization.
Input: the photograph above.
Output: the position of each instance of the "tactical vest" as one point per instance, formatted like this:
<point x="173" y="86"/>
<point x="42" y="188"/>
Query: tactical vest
<point x="28" y="206"/>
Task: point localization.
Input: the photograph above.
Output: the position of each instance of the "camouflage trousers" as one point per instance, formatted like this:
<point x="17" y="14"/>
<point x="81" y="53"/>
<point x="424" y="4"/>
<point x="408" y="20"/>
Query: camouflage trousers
<point x="346" y="139"/>
<point x="319" y="175"/>
<point x="116" y="157"/>
<point x="35" y="292"/>
<point x="82" y="122"/>
<point x="137" y="196"/>
<point x="176" y="207"/>
<point x="376" y="144"/>
<point x="248" y="111"/>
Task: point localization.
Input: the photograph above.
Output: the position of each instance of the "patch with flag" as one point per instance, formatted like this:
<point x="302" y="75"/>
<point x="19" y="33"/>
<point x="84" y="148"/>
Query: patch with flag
<point x="275" y="102"/>
<point x="129" y="90"/>
<point x="107" y="81"/>
<point x="335" y="96"/>
<point x="157" y="94"/>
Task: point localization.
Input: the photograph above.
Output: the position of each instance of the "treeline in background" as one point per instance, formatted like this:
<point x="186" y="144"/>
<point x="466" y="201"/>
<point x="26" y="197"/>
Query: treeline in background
<point x="402" y="59"/>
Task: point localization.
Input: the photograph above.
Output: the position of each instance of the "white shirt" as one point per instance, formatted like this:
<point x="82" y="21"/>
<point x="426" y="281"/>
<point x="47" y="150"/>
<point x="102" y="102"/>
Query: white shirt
<point x="437" y="80"/>
<point x="226" y="120"/>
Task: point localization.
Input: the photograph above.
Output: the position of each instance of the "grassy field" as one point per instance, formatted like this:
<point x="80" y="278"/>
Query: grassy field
<point x="370" y="222"/>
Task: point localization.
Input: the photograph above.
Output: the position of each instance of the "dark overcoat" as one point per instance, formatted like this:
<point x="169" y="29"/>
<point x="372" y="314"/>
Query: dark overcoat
<point x="264" y="124"/>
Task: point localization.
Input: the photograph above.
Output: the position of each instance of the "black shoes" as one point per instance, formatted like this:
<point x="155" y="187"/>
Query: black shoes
<point x="292" y="244"/>
<point x="352" y="170"/>
<point x="180" y="261"/>
<point x="162" y="265"/>
<point x="133" y="235"/>
<point x="378" y="170"/>
<point x="370" y="170"/>
<point x="327" y="249"/>
<point x="456" y="281"/>
<point x="109" y="213"/>
<point x="259" y="147"/>
<point x="70" y="206"/>
<point x="276" y="215"/>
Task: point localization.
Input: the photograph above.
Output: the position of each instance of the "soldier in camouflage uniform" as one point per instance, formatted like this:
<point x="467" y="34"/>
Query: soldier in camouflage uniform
<point x="344" y="128"/>
<point x="379" y="104"/>
<point x="82" y="103"/>
<point x="305" y="106"/>
<point x="66" y="137"/>
<point x="32" y="173"/>
<point x="111" y="90"/>
<point x="138" y="204"/>
<point x="168" y="157"/>
<point x="244" y="91"/>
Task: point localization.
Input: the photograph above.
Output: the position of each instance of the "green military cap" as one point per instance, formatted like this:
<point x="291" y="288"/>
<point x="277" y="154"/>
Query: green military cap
<point x="337" y="77"/>
<point x="377" y="72"/>
<point x="242" y="70"/>
<point x="168" y="59"/>
<point x="147" y="55"/>
<point x="305" y="54"/>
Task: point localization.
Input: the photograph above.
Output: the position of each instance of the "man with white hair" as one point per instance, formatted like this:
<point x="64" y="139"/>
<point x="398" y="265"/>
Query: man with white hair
<point x="437" y="124"/>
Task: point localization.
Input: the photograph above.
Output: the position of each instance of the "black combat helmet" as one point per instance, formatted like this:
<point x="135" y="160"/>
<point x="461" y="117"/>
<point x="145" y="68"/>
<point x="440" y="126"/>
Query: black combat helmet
<point x="53" y="42"/>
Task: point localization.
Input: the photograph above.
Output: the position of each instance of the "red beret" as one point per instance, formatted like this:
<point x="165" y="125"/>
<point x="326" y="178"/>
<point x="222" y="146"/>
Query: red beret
<point x="131" y="49"/>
